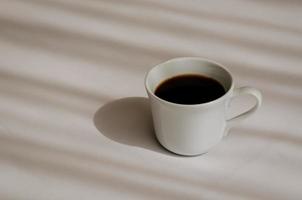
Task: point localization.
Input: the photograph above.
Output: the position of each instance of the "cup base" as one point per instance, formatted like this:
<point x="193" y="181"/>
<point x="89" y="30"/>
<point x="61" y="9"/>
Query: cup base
<point x="179" y="154"/>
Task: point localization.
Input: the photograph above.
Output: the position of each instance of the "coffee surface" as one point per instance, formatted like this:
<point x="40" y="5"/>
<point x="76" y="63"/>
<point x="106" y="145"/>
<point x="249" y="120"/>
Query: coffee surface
<point x="190" y="89"/>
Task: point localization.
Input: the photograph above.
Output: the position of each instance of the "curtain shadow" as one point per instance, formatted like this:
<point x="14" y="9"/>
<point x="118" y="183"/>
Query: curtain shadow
<point x="46" y="96"/>
<point x="273" y="76"/>
<point x="105" y="171"/>
<point x="203" y="13"/>
<point x="98" y="171"/>
<point x="50" y="86"/>
<point x="41" y="37"/>
<point x="38" y="91"/>
<point x="53" y="39"/>
<point x="128" y="121"/>
<point x="100" y="50"/>
<point x="282" y="142"/>
<point x="271" y="135"/>
<point x="268" y="81"/>
<point x="192" y="11"/>
<point x="182" y="30"/>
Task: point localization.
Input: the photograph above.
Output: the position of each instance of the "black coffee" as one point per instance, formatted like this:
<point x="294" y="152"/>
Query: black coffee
<point x="189" y="89"/>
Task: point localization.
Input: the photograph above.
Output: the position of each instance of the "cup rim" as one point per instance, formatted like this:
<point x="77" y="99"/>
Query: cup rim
<point x="147" y="87"/>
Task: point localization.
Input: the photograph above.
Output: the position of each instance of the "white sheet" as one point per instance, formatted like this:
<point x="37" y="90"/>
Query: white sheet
<point x="63" y="60"/>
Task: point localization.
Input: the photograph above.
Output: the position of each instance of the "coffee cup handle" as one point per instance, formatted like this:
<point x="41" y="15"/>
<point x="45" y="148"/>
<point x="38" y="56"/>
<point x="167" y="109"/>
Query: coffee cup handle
<point x="239" y="92"/>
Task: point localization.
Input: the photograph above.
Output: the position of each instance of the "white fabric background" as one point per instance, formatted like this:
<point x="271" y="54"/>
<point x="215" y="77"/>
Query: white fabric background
<point x="62" y="60"/>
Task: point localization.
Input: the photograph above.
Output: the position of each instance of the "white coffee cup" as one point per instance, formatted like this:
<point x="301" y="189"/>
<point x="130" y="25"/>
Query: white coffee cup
<point x="194" y="129"/>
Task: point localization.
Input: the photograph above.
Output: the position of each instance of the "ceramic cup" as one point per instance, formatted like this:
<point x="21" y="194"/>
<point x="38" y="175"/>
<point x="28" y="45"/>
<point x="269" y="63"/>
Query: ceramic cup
<point x="194" y="129"/>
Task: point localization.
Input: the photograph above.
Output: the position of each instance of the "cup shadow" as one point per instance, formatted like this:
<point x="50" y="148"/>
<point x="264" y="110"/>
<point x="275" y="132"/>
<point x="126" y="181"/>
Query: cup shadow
<point x="128" y="121"/>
